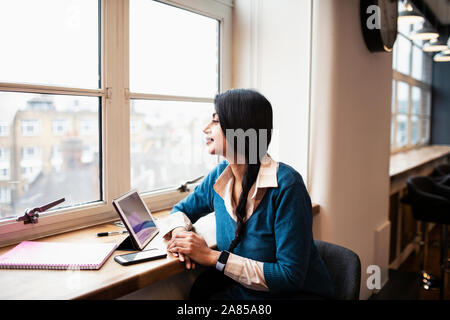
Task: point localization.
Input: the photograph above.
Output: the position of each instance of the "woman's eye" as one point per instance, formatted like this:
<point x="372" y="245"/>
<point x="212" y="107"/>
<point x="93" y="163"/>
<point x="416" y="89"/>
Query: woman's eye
<point x="215" y="121"/>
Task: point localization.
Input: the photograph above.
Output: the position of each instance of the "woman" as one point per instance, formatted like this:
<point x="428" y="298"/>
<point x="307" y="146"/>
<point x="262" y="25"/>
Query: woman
<point x="263" y="213"/>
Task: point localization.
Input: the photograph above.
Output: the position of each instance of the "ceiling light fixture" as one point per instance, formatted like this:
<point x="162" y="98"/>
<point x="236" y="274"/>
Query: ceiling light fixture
<point x="443" y="56"/>
<point x="435" y="45"/>
<point x="424" y="33"/>
<point x="409" y="16"/>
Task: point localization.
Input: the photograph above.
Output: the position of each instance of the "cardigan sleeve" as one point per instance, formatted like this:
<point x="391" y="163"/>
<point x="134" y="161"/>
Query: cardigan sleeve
<point x="293" y="238"/>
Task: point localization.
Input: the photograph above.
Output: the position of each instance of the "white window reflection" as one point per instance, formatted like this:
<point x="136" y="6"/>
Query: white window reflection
<point x="169" y="47"/>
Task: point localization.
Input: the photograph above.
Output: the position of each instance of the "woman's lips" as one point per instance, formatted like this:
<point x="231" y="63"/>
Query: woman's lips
<point x="209" y="140"/>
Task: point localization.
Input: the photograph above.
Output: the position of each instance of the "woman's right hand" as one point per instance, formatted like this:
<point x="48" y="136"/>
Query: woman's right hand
<point x="183" y="258"/>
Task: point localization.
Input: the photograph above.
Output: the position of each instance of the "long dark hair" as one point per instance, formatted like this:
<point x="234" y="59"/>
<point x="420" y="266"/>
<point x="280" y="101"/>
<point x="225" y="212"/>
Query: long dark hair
<point x="245" y="109"/>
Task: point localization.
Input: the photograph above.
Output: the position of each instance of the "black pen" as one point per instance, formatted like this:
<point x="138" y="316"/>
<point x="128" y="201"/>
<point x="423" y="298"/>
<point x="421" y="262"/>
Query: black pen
<point x="105" y="234"/>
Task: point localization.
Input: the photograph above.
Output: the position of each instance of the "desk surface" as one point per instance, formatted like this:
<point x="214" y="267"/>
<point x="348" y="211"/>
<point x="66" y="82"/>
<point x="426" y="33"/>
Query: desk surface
<point x="404" y="161"/>
<point x="111" y="281"/>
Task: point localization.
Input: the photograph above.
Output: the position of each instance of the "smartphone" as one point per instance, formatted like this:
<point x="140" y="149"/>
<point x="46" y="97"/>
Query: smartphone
<point x="146" y="255"/>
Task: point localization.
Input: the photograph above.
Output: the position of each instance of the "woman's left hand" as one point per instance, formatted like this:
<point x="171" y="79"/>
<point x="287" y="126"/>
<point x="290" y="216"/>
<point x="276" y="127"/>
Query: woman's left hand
<point x="194" y="246"/>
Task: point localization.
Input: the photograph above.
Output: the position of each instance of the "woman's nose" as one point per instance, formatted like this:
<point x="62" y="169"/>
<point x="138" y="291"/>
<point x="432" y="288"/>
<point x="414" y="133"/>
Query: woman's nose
<point x="206" y="128"/>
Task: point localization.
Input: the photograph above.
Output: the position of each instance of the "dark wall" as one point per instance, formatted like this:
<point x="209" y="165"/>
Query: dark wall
<point x="440" y="112"/>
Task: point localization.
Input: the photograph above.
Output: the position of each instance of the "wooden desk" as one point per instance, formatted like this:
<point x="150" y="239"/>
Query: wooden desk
<point x="111" y="281"/>
<point x="403" y="165"/>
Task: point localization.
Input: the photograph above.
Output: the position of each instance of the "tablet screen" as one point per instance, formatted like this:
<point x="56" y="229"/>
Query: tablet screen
<point x="138" y="217"/>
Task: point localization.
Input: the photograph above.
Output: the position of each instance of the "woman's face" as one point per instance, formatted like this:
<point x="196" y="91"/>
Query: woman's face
<point x="215" y="139"/>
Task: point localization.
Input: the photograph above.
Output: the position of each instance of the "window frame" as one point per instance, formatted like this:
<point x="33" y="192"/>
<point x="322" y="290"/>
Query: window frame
<point x="114" y="95"/>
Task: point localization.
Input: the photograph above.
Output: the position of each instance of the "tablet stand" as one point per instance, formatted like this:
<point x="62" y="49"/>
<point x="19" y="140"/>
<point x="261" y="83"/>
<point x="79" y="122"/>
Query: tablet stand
<point x="127" y="244"/>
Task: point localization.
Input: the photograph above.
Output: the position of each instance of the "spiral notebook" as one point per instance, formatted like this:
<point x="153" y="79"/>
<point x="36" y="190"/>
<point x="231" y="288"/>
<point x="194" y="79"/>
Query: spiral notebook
<point x="57" y="256"/>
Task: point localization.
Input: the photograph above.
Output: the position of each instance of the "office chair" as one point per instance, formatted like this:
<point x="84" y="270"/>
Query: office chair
<point x="445" y="180"/>
<point x="344" y="268"/>
<point x="430" y="202"/>
<point x="442" y="170"/>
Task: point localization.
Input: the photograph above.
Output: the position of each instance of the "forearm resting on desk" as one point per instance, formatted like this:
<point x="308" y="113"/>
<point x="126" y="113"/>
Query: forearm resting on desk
<point x="174" y="221"/>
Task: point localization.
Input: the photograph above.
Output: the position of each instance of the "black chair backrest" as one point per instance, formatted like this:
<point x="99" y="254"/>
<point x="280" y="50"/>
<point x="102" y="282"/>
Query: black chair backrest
<point x="429" y="200"/>
<point x="344" y="268"/>
<point x="444" y="180"/>
<point x="442" y="169"/>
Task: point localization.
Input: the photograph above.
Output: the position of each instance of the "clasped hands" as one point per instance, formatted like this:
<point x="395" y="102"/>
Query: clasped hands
<point x="191" y="248"/>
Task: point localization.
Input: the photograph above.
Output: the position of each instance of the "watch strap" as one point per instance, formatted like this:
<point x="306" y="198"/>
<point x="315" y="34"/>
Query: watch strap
<point x="222" y="261"/>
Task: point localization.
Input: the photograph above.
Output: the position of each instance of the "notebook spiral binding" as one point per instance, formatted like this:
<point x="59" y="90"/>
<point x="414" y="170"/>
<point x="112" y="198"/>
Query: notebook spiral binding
<point x="49" y="267"/>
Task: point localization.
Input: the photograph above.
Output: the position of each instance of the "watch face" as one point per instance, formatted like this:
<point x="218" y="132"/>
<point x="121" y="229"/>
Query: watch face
<point x="389" y="15"/>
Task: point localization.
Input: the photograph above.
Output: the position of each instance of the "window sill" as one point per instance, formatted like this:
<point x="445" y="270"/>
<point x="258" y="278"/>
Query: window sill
<point x="405" y="161"/>
<point x="70" y="219"/>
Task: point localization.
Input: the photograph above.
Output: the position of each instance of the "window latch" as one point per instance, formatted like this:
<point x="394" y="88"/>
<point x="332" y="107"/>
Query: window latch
<point x="108" y="93"/>
<point x="184" y="187"/>
<point x="32" y="215"/>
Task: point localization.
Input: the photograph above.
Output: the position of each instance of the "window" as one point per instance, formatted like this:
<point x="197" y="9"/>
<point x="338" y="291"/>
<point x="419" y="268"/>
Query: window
<point x="87" y="108"/>
<point x="4" y="164"/>
<point x="60" y="127"/>
<point x="168" y="110"/>
<point x="31" y="153"/>
<point x="4" y="173"/>
<point x="411" y="93"/>
<point x="30" y="127"/>
<point x="4" y="129"/>
<point x="5" y="195"/>
<point x="47" y="83"/>
<point x="4" y="155"/>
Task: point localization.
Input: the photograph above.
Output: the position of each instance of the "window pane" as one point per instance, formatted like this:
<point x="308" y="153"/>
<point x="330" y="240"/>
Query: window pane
<point x="393" y="97"/>
<point x="426" y="102"/>
<point x="415" y="129"/>
<point x="416" y="100"/>
<point x="427" y="68"/>
<point x="43" y="166"/>
<point x="403" y="97"/>
<point x="417" y="63"/>
<point x="403" y="54"/>
<point x="402" y="130"/>
<point x="172" y="51"/>
<point x="50" y="42"/>
<point x="425" y="130"/>
<point x="394" y="55"/>
<point x="168" y="144"/>
<point x="392" y="130"/>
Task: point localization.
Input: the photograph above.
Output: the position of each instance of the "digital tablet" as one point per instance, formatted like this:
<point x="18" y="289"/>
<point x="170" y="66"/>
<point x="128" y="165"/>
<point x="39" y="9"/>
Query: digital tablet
<point x="136" y="217"/>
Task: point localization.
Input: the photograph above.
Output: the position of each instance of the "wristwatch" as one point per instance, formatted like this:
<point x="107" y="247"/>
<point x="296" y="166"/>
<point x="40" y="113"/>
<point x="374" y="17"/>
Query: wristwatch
<point x="222" y="261"/>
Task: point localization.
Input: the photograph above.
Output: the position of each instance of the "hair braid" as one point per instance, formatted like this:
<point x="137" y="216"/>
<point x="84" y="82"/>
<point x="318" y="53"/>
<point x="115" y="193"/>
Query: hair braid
<point x="249" y="178"/>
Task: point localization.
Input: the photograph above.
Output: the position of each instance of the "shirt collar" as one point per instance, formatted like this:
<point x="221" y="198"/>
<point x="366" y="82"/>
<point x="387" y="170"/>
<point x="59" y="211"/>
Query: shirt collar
<point x="267" y="177"/>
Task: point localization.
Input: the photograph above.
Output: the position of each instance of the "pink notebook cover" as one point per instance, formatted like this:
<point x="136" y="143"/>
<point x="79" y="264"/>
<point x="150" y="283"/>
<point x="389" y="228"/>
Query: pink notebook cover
<point x="57" y="255"/>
